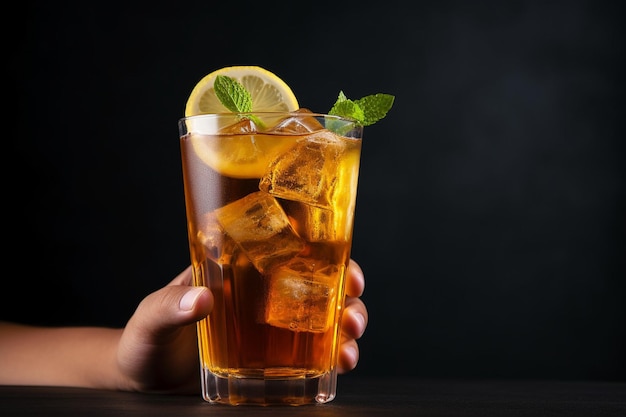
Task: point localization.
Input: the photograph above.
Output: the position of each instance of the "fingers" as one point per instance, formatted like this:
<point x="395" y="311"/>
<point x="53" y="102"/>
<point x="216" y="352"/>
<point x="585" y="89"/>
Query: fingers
<point x="354" y="319"/>
<point x="355" y="316"/>
<point x="355" y="283"/>
<point x="353" y="324"/>
<point x="348" y="356"/>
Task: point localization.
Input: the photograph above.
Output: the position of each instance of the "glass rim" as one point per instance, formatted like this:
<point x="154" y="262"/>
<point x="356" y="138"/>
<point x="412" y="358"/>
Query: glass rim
<point x="269" y="114"/>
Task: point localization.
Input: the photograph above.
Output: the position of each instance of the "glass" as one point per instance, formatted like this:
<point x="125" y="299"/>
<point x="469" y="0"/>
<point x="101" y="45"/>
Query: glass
<point x="270" y="200"/>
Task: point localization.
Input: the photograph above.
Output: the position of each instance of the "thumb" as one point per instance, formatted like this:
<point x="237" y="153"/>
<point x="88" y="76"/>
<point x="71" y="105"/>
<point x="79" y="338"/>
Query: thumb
<point x="158" y="346"/>
<point x="171" y="307"/>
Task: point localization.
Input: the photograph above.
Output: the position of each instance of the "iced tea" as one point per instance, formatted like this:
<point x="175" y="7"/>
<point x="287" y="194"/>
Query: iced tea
<point x="270" y="203"/>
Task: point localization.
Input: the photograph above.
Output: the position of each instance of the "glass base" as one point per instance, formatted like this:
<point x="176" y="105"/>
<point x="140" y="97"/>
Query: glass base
<point x="270" y="391"/>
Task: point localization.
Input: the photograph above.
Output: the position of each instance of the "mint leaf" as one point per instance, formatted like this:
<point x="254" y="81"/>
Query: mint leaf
<point x="232" y="94"/>
<point x="345" y="107"/>
<point x="366" y="111"/>
<point x="375" y="107"/>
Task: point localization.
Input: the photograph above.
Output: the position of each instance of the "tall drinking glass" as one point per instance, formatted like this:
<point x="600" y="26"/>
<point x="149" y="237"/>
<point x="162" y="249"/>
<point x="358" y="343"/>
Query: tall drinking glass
<point x="270" y="200"/>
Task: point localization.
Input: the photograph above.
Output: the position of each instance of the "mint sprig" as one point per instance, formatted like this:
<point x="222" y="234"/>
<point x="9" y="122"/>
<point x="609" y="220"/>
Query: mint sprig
<point x="366" y="111"/>
<point x="234" y="96"/>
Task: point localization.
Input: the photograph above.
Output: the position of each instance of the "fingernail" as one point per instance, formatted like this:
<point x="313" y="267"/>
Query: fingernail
<point x="361" y="319"/>
<point x="189" y="299"/>
<point x="352" y="353"/>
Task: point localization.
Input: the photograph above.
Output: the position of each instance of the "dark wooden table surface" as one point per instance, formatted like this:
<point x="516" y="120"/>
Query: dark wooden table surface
<point x="357" y="396"/>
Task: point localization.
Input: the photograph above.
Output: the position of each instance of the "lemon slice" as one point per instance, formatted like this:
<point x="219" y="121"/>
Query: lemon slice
<point x="268" y="92"/>
<point x="246" y="156"/>
<point x="241" y="156"/>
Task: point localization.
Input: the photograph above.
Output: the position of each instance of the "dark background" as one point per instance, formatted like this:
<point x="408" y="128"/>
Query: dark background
<point x="491" y="211"/>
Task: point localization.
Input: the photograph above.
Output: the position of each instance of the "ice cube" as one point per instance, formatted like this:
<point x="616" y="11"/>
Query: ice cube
<point x="298" y="124"/>
<point x="218" y="246"/>
<point x="315" y="224"/>
<point x="259" y="226"/>
<point x="243" y="126"/>
<point x="308" y="172"/>
<point x="302" y="295"/>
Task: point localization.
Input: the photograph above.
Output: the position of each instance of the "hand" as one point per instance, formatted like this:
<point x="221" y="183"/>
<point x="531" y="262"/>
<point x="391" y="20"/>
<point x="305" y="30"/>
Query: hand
<point x="158" y="350"/>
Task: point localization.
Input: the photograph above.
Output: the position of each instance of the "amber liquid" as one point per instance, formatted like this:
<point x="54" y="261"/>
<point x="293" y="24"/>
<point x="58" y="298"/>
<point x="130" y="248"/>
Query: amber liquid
<point x="236" y="340"/>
